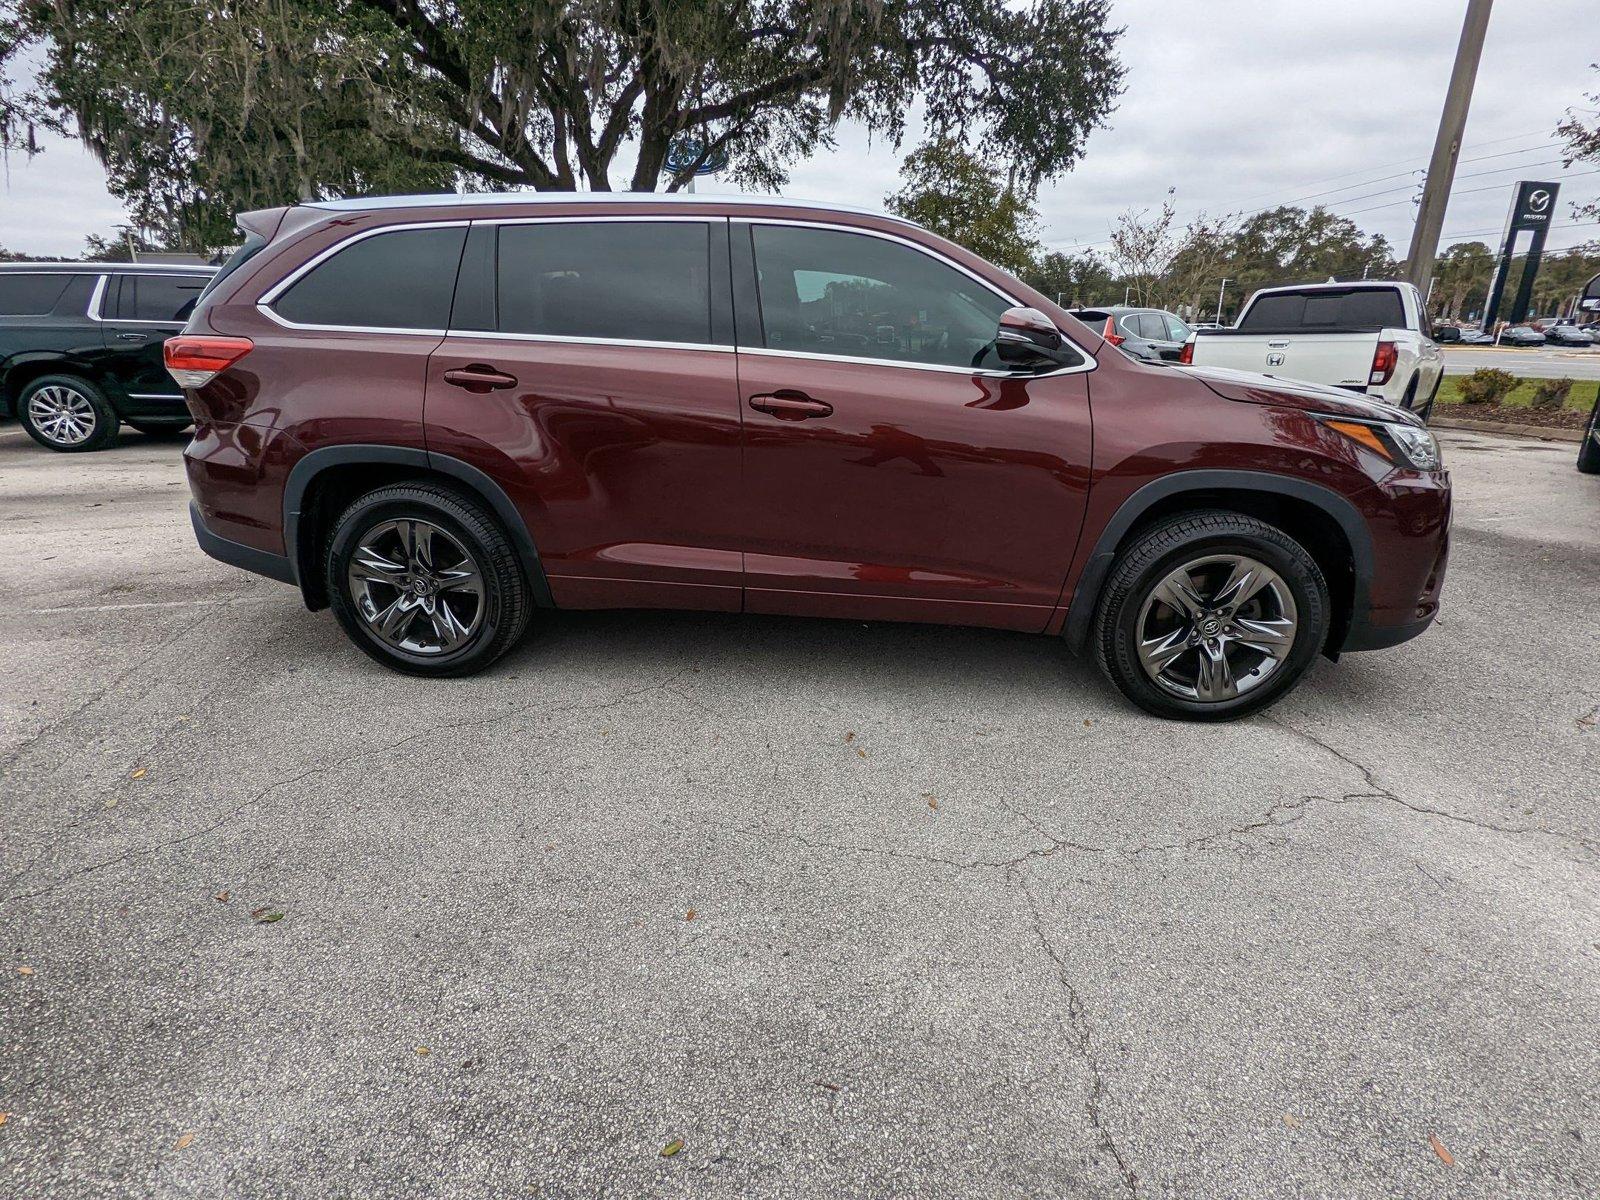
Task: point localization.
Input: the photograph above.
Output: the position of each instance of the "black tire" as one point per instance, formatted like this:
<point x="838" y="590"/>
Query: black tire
<point x="1426" y="411"/>
<point x="161" y="429"/>
<point x="88" y="403"/>
<point x="506" y="600"/>
<point x="1589" y="450"/>
<point x="1182" y="540"/>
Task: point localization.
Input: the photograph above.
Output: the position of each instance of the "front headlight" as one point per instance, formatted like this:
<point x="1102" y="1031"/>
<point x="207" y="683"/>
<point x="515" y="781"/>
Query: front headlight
<point x="1408" y="446"/>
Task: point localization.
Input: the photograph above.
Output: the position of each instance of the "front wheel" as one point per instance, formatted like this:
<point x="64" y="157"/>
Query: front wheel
<point x="1589" y="450"/>
<point x="1210" y="616"/>
<point x="426" y="581"/>
<point x="67" y="414"/>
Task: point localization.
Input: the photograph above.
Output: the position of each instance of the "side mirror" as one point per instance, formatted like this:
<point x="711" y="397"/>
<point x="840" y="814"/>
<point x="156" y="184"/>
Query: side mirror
<point x="1027" y="338"/>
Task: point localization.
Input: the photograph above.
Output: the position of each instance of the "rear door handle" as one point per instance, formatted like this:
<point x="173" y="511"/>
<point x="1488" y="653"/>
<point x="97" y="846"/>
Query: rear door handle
<point x="479" y="378"/>
<point x="132" y="337"/>
<point x="788" y="404"/>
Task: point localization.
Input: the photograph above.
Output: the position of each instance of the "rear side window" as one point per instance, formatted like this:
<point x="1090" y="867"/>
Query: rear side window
<point x="169" y="298"/>
<point x="30" y="295"/>
<point x="398" y="280"/>
<point x="629" y="281"/>
<point x="1152" y="328"/>
<point x="1359" y="308"/>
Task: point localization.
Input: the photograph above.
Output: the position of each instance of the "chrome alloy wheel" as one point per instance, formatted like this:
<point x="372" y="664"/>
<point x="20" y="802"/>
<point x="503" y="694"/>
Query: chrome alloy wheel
<point x="62" y="414"/>
<point x="1216" y="628"/>
<point x="416" y="587"/>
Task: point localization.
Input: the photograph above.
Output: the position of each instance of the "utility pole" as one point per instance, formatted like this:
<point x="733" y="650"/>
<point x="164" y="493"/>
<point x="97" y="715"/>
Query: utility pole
<point x="1221" y="292"/>
<point x="1447" y="146"/>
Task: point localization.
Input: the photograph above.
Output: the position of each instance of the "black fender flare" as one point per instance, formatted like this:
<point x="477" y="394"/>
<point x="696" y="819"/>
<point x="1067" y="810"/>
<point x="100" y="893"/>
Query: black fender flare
<point x="31" y="364"/>
<point x="475" y="481"/>
<point x="1086" y="596"/>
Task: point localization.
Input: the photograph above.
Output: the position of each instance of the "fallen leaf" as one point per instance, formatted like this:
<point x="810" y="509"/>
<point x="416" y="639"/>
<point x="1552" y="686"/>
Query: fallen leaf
<point x="257" y="912"/>
<point x="224" y="897"/>
<point x="139" y="773"/>
<point x="1088" y="721"/>
<point x="1292" y="1121"/>
<point x="1445" y="1156"/>
<point x="270" y="918"/>
<point x="850" y="736"/>
<point x="933" y="804"/>
<point x="24" y="970"/>
<point x="689" y="916"/>
<point x="111" y="801"/>
<point x="672" y="1148"/>
<point x="823" y="1083"/>
<point x="862" y="753"/>
<point x="423" y="1051"/>
<point x="3" y="1117"/>
<point x="1590" y="718"/>
<point x="185" y="1141"/>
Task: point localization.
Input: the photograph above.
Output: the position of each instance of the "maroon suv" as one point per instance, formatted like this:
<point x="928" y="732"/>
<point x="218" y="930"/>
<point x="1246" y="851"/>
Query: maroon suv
<point x="437" y="414"/>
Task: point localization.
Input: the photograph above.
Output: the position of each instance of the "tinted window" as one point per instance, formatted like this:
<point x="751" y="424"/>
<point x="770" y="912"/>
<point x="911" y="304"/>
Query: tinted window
<point x="1177" y="331"/>
<point x="1152" y="328"/>
<point x="827" y="292"/>
<point x="30" y="295"/>
<point x="635" y="281"/>
<point x="1364" y="308"/>
<point x="400" y="280"/>
<point x="157" y="297"/>
<point x="254" y="243"/>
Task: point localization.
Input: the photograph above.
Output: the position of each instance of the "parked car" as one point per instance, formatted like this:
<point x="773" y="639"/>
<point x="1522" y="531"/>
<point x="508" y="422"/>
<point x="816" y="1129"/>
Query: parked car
<point x="1589" y="448"/>
<point x="80" y="349"/>
<point x="1568" y="335"/>
<point x="1446" y="335"/>
<point x="1476" y="337"/>
<point x="441" y="415"/>
<point x="1148" y="333"/>
<point x="1525" y="336"/>
<point x="1370" y="337"/>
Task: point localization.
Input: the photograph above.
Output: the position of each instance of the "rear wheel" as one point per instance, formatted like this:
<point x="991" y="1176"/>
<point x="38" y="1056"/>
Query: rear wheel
<point x="1210" y="616"/>
<point x="67" y="414"/>
<point x="425" y="581"/>
<point x="1589" y="450"/>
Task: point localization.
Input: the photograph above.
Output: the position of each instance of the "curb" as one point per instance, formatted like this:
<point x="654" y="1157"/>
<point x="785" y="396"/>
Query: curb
<point x="1542" y="432"/>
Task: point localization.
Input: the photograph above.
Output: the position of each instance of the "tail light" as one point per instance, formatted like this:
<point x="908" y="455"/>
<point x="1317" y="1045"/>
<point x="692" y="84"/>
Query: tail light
<point x="1186" y="355"/>
<point x="195" y="361"/>
<point x="1384" y="360"/>
<point x="1110" y="332"/>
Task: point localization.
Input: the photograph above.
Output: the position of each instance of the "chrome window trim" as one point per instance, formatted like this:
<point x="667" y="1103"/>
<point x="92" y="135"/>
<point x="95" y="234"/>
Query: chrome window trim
<point x="1088" y="364"/>
<point x="264" y="304"/>
<point x="490" y="335"/>
<point x="273" y="293"/>
<point x="155" y="395"/>
<point x="98" y="299"/>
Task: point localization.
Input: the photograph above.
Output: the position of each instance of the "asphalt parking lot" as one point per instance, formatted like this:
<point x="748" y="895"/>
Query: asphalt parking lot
<point x="1542" y="363"/>
<point x="845" y="909"/>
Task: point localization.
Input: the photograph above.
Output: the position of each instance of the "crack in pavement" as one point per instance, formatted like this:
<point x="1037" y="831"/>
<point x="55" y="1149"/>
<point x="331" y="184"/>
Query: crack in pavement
<point x="1379" y="791"/>
<point x="325" y="768"/>
<point x="1077" y="1032"/>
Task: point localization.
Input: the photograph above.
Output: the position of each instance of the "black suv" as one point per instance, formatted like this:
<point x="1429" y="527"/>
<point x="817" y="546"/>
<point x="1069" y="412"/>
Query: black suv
<point x="1152" y="334"/>
<point x="80" y="348"/>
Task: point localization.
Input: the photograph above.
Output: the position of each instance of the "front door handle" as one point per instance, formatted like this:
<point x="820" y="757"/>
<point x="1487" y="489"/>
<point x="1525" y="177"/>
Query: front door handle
<point x="132" y="337"/>
<point x="479" y="378"/>
<point x="788" y="404"/>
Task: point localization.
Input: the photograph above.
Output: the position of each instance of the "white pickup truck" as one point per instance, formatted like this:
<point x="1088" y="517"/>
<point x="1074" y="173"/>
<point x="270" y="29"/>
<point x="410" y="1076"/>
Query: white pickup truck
<point x="1369" y="337"/>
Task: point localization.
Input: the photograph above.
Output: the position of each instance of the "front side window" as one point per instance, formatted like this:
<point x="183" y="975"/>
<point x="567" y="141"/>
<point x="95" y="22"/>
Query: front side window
<point x="167" y="298"/>
<point x="825" y="291"/>
<point x="398" y="280"/>
<point x="30" y="295"/>
<point x="636" y="281"/>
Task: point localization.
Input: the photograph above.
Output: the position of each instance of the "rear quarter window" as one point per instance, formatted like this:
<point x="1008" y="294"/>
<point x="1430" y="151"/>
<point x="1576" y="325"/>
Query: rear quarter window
<point x="31" y="295"/>
<point x="395" y="280"/>
<point x="166" y="298"/>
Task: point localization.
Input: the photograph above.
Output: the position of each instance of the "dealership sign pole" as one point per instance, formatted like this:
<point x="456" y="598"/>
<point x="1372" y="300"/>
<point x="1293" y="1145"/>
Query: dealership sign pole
<point x="1531" y="209"/>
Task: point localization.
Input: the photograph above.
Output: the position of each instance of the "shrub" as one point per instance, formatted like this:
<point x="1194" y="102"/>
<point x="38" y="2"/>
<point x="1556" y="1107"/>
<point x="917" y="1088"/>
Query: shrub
<point x="1487" y="385"/>
<point x="1550" y="393"/>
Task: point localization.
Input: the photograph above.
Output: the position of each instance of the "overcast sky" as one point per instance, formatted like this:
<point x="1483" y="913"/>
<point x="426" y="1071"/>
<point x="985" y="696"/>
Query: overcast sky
<point x="1238" y="104"/>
